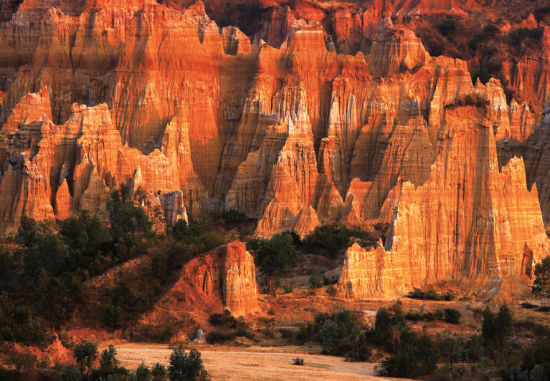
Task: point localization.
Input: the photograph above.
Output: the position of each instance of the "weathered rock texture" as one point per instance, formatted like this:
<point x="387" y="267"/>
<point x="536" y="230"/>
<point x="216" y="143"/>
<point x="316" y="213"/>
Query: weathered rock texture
<point x="224" y="278"/>
<point x="318" y="114"/>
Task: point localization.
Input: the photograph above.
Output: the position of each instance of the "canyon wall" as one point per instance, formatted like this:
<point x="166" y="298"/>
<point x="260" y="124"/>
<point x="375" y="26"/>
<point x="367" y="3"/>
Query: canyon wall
<point x="296" y="124"/>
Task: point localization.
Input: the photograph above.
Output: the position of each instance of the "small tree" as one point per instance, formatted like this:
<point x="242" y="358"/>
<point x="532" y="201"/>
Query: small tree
<point x="85" y="354"/>
<point x="108" y="363"/>
<point x="541" y="285"/>
<point x="330" y="335"/>
<point x="496" y="329"/>
<point x="159" y="372"/>
<point x="143" y="373"/>
<point x="275" y="257"/>
<point x="488" y="327"/>
<point x="504" y="323"/>
<point x="187" y="367"/>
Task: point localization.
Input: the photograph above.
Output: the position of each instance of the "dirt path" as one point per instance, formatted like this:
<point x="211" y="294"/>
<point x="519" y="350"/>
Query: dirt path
<point x="254" y="365"/>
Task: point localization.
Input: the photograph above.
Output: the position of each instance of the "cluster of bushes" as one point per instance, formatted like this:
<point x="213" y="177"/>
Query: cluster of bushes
<point x="183" y="366"/>
<point x="449" y="315"/>
<point x="227" y="328"/>
<point x="530" y="364"/>
<point x="413" y="354"/>
<point x="233" y="217"/>
<point x="330" y="240"/>
<point x="342" y="334"/>
<point x="430" y="295"/>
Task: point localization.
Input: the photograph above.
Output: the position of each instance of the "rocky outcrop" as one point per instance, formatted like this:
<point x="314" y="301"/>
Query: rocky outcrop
<point x="363" y="274"/>
<point x="224" y="278"/>
<point x="468" y="220"/>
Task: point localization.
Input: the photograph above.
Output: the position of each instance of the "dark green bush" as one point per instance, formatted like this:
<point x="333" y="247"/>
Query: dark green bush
<point x="316" y="280"/>
<point x="228" y="328"/>
<point x="448" y="28"/>
<point x="114" y="316"/>
<point x="430" y="295"/>
<point x="414" y="357"/>
<point x="187" y="366"/>
<point x="298" y="361"/>
<point x="85" y="354"/>
<point x="327" y="240"/>
<point x="11" y="375"/>
<point x="275" y="257"/>
<point x="451" y="316"/>
<point x="495" y="330"/>
<point x="227" y="321"/>
<point x="541" y="285"/>
<point x="234" y="217"/>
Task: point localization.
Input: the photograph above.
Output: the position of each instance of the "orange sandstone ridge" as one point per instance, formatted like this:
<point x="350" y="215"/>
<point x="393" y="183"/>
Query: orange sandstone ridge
<point x="224" y="278"/>
<point x="283" y="126"/>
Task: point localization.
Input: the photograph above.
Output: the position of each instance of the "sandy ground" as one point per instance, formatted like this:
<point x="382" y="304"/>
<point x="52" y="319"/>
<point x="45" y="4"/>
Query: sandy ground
<point x="239" y="364"/>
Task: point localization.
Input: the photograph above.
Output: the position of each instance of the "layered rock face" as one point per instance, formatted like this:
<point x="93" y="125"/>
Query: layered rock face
<point x="466" y="207"/>
<point x="296" y="132"/>
<point x="224" y="278"/>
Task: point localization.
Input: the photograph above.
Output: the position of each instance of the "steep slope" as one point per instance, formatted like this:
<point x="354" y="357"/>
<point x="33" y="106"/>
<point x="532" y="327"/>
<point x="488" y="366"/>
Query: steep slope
<point x="223" y="278"/>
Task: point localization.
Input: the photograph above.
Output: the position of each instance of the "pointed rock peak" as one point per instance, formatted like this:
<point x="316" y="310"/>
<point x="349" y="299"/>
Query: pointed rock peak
<point x="62" y="201"/>
<point x="355" y="247"/>
<point x="306" y="221"/>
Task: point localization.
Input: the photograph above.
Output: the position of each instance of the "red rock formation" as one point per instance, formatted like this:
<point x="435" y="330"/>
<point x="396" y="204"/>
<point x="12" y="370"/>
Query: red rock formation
<point x="468" y="220"/>
<point x="224" y="278"/>
<point x="292" y="132"/>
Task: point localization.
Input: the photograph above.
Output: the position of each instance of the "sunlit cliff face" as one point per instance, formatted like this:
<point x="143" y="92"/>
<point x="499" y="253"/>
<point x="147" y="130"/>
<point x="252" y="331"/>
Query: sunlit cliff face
<point x="318" y="114"/>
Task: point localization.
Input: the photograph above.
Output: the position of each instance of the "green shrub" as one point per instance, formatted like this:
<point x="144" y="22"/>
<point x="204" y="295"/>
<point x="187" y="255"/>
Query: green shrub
<point x="143" y="373"/>
<point x="387" y="325"/>
<point x="228" y="328"/>
<point x="342" y="334"/>
<point x="541" y="285"/>
<point x="275" y="257"/>
<point x="496" y="329"/>
<point x="187" y="366"/>
<point x="158" y="373"/>
<point x="316" y="280"/>
<point x="234" y="217"/>
<point x="448" y="28"/>
<point x="451" y="315"/>
<point x="327" y="240"/>
<point x="85" y="354"/>
<point x="227" y="321"/>
<point x="113" y="316"/>
<point x="430" y="295"/>
<point x="415" y="357"/>
<point x="298" y="361"/>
